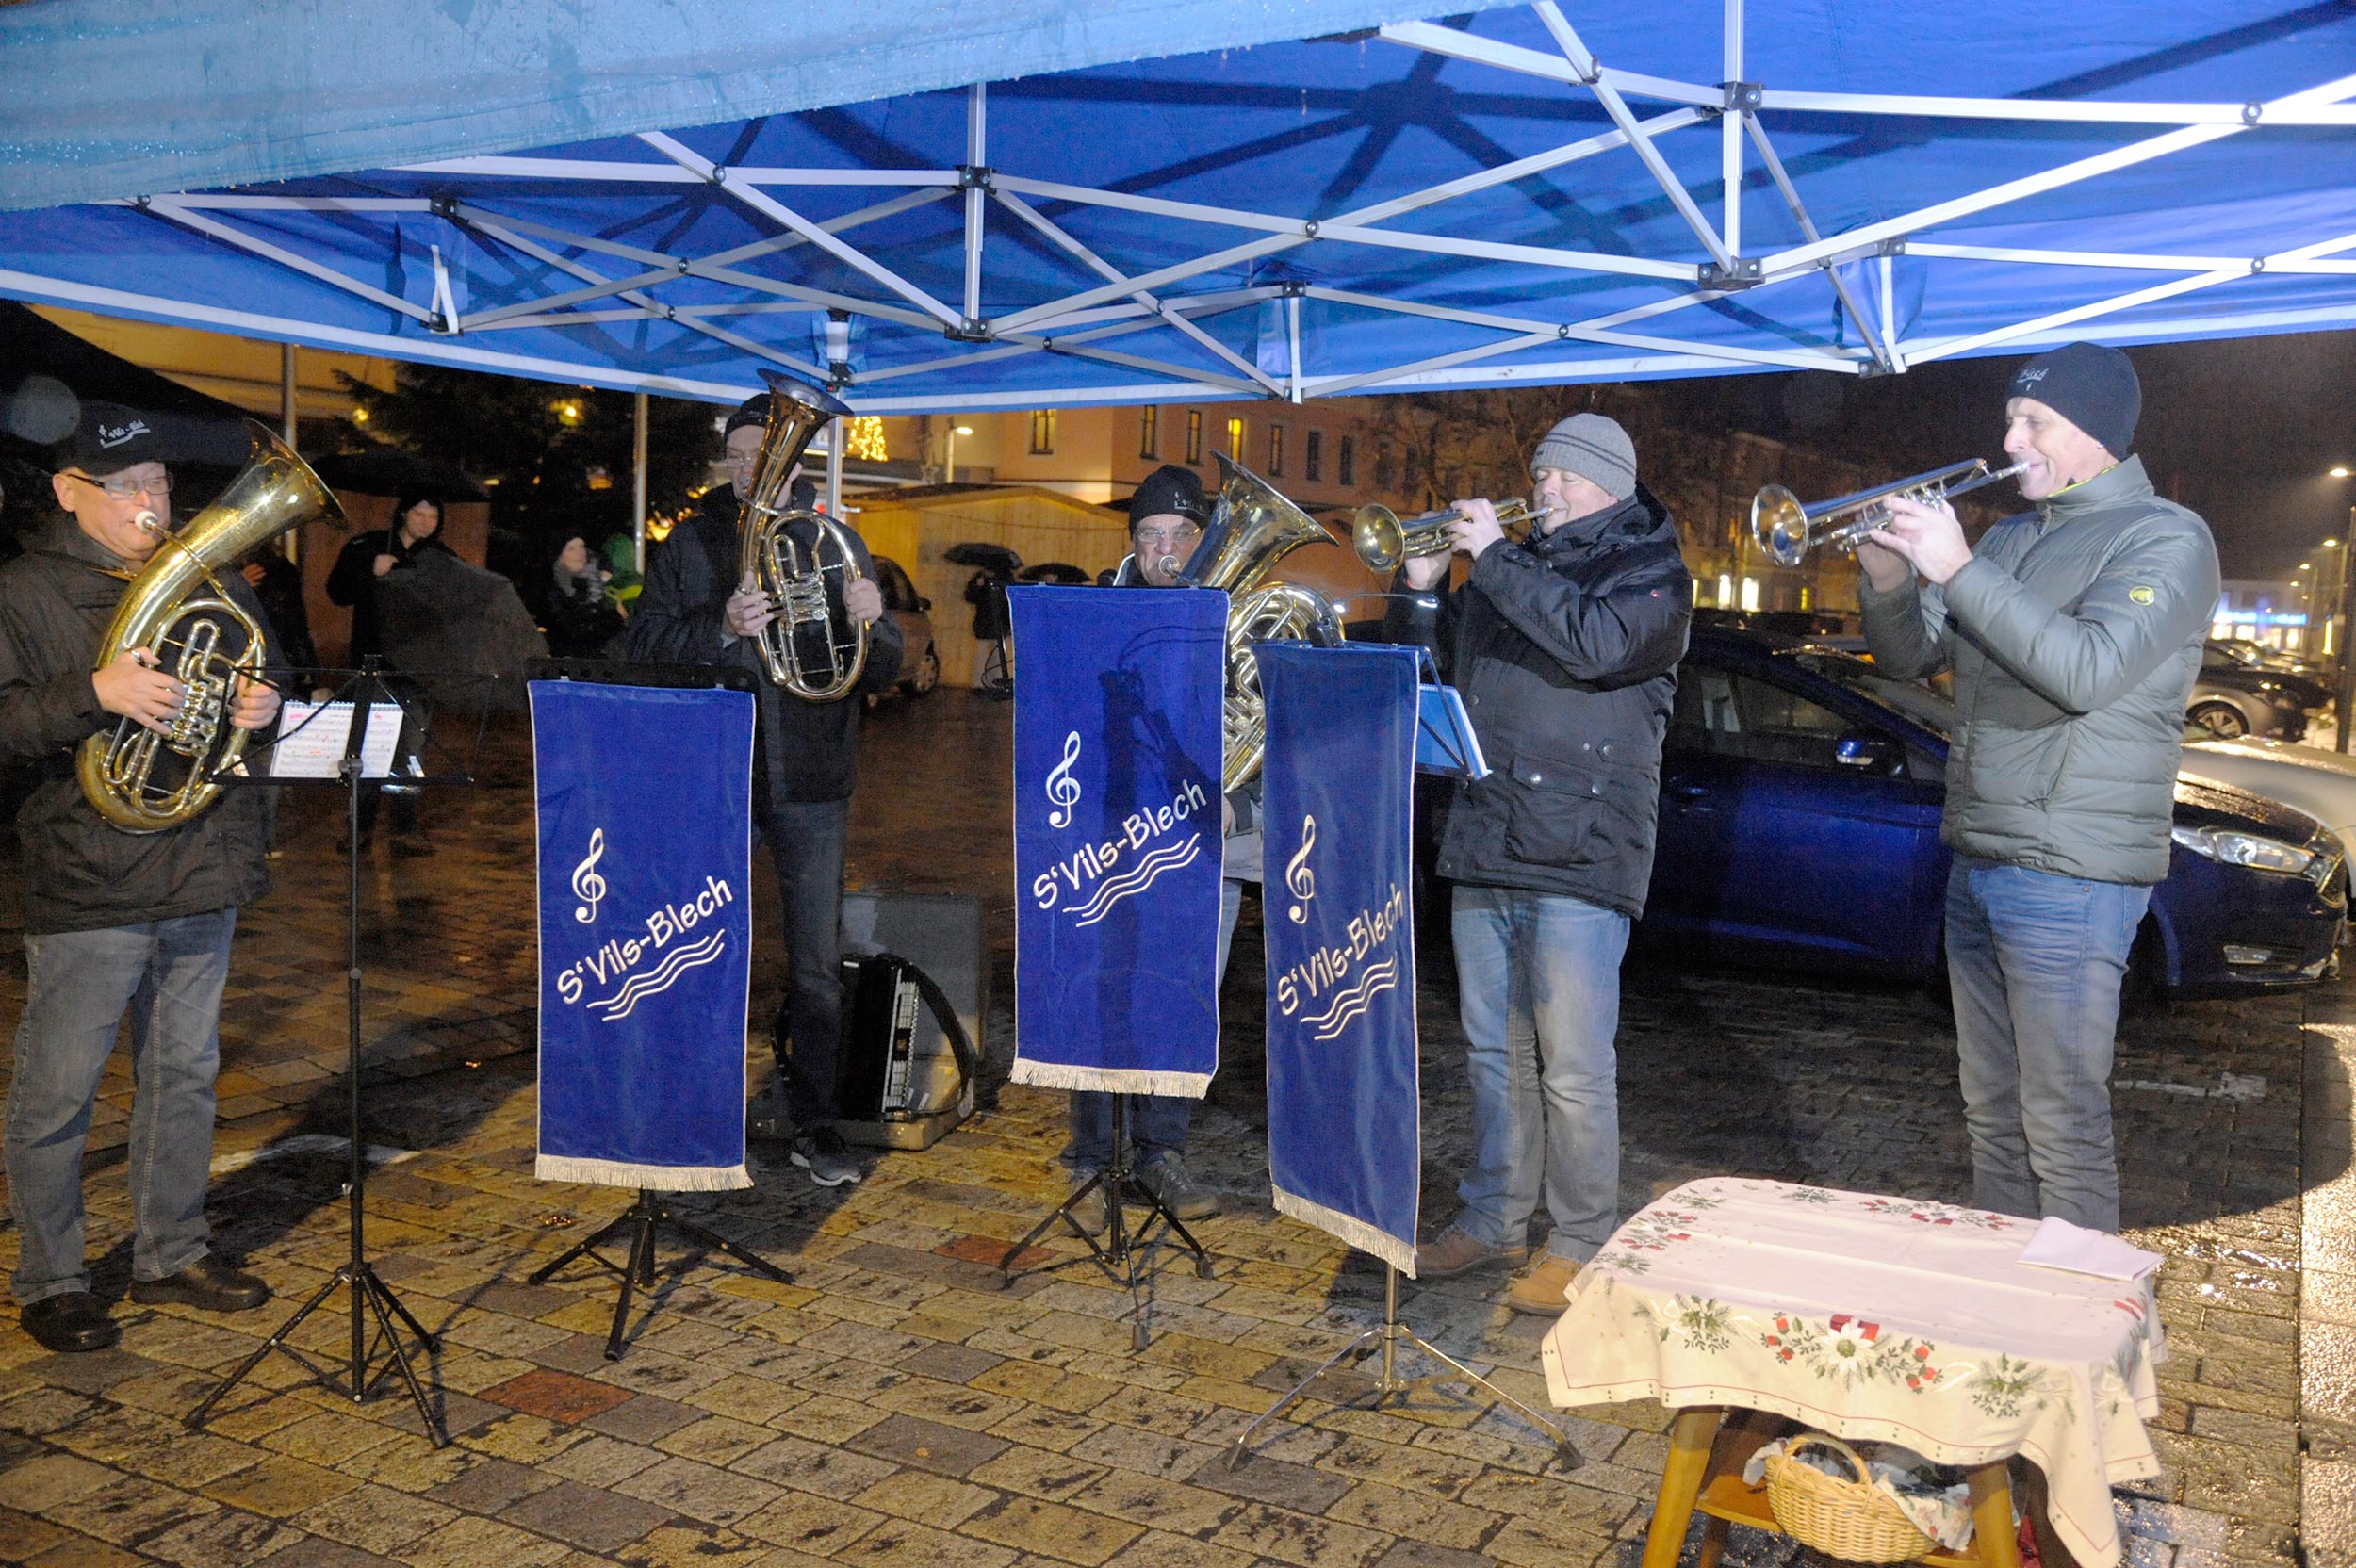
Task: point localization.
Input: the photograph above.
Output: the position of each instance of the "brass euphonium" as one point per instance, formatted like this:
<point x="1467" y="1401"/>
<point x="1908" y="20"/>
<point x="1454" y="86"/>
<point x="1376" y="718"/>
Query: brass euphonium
<point x="177" y="608"/>
<point x="807" y="649"/>
<point x="1251" y="529"/>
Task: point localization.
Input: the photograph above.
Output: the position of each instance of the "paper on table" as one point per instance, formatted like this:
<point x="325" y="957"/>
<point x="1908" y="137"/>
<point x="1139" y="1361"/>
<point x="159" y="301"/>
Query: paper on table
<point x="2075" y="1250"/>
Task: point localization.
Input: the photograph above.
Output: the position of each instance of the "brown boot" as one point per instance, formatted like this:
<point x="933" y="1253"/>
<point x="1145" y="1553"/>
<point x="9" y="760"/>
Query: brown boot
<point x="1546" y="1290"/>
<point x="1458" y="1251"/>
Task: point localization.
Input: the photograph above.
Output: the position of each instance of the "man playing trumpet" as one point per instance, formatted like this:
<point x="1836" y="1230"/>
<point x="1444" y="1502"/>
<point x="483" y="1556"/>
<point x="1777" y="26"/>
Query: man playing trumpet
<point x="1565" y="650"/>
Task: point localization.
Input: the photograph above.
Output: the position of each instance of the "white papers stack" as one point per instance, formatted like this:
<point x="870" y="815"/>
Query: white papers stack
<point x="2075" y="1250"/>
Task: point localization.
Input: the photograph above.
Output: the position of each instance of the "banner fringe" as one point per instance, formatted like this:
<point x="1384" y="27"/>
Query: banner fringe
<point x="1072" y="1075"/>
<point x="1351" y="1229"/>
<point x="654" y="1178"/>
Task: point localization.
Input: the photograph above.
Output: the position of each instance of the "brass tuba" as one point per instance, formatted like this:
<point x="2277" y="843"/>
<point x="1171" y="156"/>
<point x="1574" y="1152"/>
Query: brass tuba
<point x="1251" y="529"/>
<point x="791" y="574"/>
<point x="177" y="608"/>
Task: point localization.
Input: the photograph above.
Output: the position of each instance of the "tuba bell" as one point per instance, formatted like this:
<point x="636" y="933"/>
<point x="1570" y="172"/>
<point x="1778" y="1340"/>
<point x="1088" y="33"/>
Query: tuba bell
<point x="814" y="649"/>
<point x="1251" y="529"/>
<point x="177" y="608"/>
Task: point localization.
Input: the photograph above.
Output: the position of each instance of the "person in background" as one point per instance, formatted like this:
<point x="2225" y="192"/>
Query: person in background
<point x="366" y="560"/>
<point x="1566" y="648"/>
<point x="2075" y="632"/>
<point x="581" y="619"/>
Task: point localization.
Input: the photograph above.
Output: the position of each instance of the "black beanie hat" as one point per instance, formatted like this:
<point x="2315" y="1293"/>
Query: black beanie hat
<point x="2093" y="387"/>
<point x="1166" y="489"/>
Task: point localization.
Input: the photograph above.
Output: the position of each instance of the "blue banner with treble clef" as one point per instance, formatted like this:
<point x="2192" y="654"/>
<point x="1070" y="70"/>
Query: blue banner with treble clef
<point x="645" y="932"/>
<point x="1117" y="836"/>
<point x="1344" y="1130"/>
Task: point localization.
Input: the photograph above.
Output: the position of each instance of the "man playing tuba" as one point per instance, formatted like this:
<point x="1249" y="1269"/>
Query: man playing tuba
<point x="695" y="610"/>
<point x="114" y="919"/>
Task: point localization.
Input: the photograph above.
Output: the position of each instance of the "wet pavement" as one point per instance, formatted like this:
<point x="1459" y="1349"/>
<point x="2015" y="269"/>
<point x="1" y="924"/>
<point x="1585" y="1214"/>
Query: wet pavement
<point x="892" y="1405"/>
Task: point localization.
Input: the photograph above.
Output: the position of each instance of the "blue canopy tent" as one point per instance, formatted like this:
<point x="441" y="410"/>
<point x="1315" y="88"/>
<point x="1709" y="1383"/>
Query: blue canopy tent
<point x="1044" y="203"/>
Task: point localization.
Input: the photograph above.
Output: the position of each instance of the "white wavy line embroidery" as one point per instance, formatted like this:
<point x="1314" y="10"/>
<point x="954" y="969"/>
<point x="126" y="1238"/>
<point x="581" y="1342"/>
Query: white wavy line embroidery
<point x="1347" y="1004"/>
<point x="1136" y="880"/>
<point x="660" y="978"/>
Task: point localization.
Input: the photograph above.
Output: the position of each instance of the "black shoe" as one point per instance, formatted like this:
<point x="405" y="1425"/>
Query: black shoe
<point x="71" y="1323"/>
<point x="207" y="1284"/>
<point x="823" y="1154"/>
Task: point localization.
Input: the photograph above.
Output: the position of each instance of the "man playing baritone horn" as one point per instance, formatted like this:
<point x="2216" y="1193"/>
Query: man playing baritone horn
<point x="2075" y="634"/>
<point x="1565" y="650"/>
<point x="1166" y="516"/>
<point x="114" y="920"/>
<point x="694" y="610"/>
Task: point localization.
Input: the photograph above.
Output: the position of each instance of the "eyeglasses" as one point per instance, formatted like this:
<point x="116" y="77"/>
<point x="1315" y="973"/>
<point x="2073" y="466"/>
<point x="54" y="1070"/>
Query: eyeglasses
<point x="1168" y="537"/>
<point x="127" y="489"/>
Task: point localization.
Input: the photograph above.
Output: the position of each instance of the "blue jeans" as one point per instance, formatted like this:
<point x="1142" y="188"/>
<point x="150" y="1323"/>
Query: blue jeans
<point x="2034" y="961"/>
<point x="170" y="974"/>
<point x="1157" y="1122"/>
<point x="806" y="842"/>
<point x="1538" y="977"/>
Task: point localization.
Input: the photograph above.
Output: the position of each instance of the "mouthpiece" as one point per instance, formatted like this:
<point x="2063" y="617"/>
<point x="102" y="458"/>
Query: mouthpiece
<point x="147" y="522"/>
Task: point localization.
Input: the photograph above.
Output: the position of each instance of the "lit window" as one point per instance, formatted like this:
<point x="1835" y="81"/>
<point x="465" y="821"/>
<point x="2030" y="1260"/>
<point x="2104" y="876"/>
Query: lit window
<point x="1235" y="440"/>
<point x="1150" y="432"/>
<point x="1750" y="593"/>
<point x="1042" y="431"/>
<point x="1313" y="456"/>
<point x="1725" y="591"/>
<point x="1194" y="435"/>
<point x="1276" y="451"/>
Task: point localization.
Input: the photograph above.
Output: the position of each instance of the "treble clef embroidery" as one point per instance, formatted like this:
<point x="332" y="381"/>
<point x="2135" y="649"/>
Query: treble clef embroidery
<point x="587" y="885"/>
<point x="1062" y="788"/>
<point x="1299" y="878"/>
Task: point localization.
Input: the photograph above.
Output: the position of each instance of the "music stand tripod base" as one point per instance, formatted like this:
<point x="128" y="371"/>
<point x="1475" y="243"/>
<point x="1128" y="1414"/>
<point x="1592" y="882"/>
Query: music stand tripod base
<point x="640" y="1219"/>
<point x="1391" y="1384"/>
<point x="1122" y="1254"/>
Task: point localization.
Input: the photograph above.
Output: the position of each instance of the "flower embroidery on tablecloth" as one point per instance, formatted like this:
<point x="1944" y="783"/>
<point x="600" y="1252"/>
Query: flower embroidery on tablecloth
<point x="1939" y="1214"/>
<point x="1850" y="1351"/>
<point x="1704" y="1323"/>
<point x="2001" y="1388"/>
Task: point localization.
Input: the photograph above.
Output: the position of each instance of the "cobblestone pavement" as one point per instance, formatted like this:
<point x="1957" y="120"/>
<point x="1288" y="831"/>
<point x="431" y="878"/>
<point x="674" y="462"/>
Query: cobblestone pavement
<point x="893" y="1406"/>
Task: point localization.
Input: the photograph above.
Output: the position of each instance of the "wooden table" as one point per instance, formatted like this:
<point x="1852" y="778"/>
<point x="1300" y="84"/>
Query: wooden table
<point x="1867" y="1317"/>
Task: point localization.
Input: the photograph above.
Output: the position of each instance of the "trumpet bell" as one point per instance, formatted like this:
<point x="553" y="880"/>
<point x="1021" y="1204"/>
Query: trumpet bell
<point x="1779" y="526"/>
<point x="1377" y="539"/>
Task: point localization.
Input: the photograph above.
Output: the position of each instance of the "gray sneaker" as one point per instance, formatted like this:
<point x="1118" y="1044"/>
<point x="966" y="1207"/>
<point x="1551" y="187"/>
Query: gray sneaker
<point x="823" y="1154"/>
<point x="1089" y="1210"/>
<point x="1168" y="1179"/>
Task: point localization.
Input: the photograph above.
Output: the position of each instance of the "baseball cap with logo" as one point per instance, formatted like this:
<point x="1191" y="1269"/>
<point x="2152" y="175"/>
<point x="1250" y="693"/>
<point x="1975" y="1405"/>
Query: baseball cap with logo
<point x="108" y="439"/>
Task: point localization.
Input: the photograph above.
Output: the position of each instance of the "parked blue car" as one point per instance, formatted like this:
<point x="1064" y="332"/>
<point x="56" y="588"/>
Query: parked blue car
<point x="1800" y="797"/>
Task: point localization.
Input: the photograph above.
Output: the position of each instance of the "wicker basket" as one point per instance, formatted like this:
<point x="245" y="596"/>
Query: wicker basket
<point x="1852" y="1520"/>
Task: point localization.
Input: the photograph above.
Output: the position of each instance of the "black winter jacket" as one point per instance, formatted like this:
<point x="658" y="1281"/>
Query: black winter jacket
<point x="807" y="751"/>
<point x="1565" y="650"/>
<point x="352" y="581"/>
<point x="81" y="873"/>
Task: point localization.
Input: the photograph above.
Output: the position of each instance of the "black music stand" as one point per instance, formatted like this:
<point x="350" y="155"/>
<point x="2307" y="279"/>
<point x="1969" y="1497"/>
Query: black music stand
<point x="362" y="701"/>
<point x="1121" y="1254"/>
<point x="648" y="1213"/>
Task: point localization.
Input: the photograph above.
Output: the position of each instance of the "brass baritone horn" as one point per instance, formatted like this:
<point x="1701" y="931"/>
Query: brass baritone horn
<point x="805" y="650"/>
<point x="1785" y="531"/>
<point x="1383" y="541"/>
<point x="177" y="608"/>
<point x="1252" y="527"/>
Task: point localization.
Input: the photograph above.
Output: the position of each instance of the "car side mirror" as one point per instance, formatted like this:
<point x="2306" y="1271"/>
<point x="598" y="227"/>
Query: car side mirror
<point x="1867" y="753"/>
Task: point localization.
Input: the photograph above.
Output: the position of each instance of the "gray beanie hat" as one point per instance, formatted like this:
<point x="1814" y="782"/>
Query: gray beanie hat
<point x="1595" y="448"/>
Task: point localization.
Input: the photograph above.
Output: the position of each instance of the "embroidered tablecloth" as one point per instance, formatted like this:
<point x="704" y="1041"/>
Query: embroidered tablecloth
<point x="1874" y="1317"/>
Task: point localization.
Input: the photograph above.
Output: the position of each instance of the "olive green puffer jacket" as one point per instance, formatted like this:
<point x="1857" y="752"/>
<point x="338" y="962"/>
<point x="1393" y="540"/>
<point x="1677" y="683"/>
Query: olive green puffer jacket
<point x="2074" y="634"/>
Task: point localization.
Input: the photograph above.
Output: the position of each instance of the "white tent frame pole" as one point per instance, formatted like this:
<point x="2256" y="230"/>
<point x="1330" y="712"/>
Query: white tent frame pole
<point x="1793" y="359"/>
<point x="976" y="158"/>
<point x="640" y="420"/>
<point x="163" y="206"/>
<point x="1439" y="361"/>
<point x="1730" y="137"/>
<point x="759" y="200"/>
<point x="1292" y="346"/>
<point x="582" y="270"/>
<point x="2126" y="302"/>
<point x="2126" y="260"/>
<point x="1434" y="40"/>
<point x="1874" y="339"/>
<point x="1105" y="269"/>
<point x="1583" y="61"/>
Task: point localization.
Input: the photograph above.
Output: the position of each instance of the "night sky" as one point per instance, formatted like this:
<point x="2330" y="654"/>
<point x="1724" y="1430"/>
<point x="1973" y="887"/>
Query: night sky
<point x="2243" y="431"/>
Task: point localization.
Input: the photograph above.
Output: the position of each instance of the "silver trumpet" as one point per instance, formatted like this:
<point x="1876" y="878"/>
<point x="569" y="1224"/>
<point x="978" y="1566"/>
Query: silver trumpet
<point x="1785" y="531"/>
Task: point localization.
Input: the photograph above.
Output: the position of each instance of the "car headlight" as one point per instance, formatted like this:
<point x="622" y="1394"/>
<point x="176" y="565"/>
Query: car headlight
<point x="2244" y="849"/>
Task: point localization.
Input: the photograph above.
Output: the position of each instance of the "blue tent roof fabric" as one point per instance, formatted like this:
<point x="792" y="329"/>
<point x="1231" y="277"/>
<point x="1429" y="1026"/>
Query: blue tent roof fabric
<point x="1058" y="209"/>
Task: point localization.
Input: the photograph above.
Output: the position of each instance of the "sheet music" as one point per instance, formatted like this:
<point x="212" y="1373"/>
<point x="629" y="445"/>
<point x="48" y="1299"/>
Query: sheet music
<point x="312" y="737"/>
<point x="1445" y="742"/>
